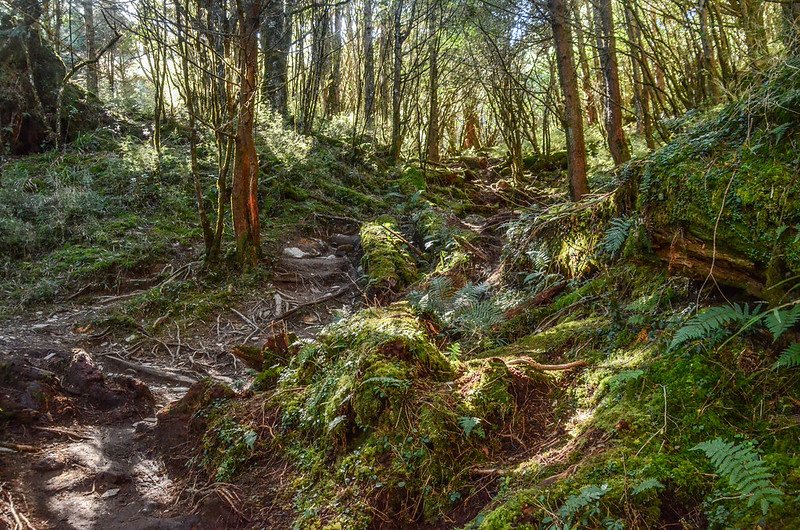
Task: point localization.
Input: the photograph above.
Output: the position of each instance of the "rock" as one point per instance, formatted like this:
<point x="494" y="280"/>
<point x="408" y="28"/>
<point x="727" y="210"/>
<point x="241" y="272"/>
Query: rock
<point x="143" y="426"/>
<point x="294" y="252"/>
<point x="110" y="493"/>
<point x="341" y="250"/>
<point x="343" y="239"/>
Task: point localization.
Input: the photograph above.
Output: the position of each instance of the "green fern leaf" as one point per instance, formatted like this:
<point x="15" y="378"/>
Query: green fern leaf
<point x="616" y="235"/>
<point x="712" y="320"/>
<point x="744" y="470"/>
<point x="648" y="485"/>
<point x="779" y="321"/>
<point x="790" y="358"/>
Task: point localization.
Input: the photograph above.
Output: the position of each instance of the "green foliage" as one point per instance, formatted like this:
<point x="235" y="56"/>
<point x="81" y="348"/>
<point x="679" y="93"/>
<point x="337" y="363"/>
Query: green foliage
<point x="470" y="424"/>
<point x="227" y="445"/>
<point x="470" y="312"/>
<point x="583" y="510"/>
<point x="746" y="473"/>
<point x="790" y="358"/>
<point x="712" y="320"/>
<point x="648" y="484"/>
<point x="616" y="235"/>
<point x="779" y="321"/>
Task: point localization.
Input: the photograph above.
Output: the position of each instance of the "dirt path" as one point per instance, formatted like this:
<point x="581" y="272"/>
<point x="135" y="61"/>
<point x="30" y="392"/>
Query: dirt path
<point x="79" y="451"/>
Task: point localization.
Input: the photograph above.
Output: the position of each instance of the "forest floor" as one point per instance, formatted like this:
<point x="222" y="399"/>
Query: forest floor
<point x="90" y="459"/>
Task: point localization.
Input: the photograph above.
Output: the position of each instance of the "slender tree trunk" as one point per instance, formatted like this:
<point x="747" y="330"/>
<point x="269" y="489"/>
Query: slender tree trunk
<point x="244" y="199"/>
<point x="189" y="97"/>
<point x="586" y="75"/>
<point x="641" y="91"/>
<point x="708" y="74"/>
<point x="397" y="72"/>
<point x="433" y="114"/>
<point x="91" y="47"/>
<point x="276" y="54"/>
<point x="335" y="82"/>
<point x="573" y="121"/>
<point x="369" y="66"/>
<point x="613" y="97"/>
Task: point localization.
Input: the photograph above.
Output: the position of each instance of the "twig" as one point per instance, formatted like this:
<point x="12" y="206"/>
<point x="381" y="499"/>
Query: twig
<point x="163" y="373"/>
<point x="329" y="296"/>
<point x="547" y="367"/>
<point x="414" y="249"/>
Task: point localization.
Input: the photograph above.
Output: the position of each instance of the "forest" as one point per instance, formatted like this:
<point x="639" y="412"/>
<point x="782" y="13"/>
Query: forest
<point x="400" y="264"/>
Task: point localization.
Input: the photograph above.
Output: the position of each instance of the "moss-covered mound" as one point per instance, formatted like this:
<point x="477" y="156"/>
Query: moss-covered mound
<point x="383" y="423"/>
<point x="387" y="261"/>
<point x="727" y="190"/>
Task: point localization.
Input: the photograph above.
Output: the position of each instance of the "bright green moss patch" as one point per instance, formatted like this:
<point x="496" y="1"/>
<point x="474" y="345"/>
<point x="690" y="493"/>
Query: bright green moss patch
<point x="387" y="260"/>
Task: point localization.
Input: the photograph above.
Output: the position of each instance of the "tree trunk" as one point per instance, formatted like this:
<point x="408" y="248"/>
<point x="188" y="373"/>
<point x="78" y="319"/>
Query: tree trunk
<point x="708" y="76"/>
<point x="335" y="77"/>
<point x="607" y="50"/>
<point x="641" y="91"/>
<point x="397" y="72"/>
<point x="91" y="47"/>
<point x="275" y="47"/>
<point x="369" y="67"/>
<point x="586" y="76"/>
<point x="433" y="114"/>
<point x="573" y="121"/>
<point x="244" y="199"/>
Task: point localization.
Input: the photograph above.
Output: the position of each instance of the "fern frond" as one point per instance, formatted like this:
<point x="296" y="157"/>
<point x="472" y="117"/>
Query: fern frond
<point x="479" y="316"/>
<point x="647" y="485"/>
<point x="744" y="470"/>
<point x="711" y="320"/>
<point x="779" y="321"/>
<point x="790" y="358"/>
<point x="616" y="235"/>
<point x="470" y="294"/>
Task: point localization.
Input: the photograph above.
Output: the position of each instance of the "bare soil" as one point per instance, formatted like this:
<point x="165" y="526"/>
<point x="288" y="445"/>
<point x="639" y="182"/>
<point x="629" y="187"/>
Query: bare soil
<point x="79" y="441"/>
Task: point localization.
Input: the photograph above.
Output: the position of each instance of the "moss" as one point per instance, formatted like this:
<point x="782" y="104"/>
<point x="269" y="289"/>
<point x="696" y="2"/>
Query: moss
<point x="378" y="419"/>
<point x="491" y="399"/>
<point x="386" y="260"/>
<point x="552" y="341"/>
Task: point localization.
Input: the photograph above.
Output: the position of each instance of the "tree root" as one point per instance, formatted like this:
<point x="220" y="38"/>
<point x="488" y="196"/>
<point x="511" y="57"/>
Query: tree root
<point x="527" y="361"/>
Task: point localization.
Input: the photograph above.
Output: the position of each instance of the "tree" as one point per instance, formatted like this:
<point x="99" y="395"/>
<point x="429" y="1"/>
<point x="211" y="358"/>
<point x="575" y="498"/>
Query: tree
<point x="244" y="198"/>
<point x="91" y="47"/>
<point x="369" y="67"/>
<point x="275" y="42"/>
<point x="607" y="50"/>
<point x="432" y="138"/>
<point x="573" y="121"/>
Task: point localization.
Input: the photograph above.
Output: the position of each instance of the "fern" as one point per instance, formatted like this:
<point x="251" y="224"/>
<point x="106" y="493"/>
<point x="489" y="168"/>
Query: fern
<point x="790" y="358"/>
<point x="479" y="316"/>
<point x="713" y="319"/>
<point x="779" y="321"/>
<point x="648" y="484"/>
<point x="469" y="424"/>
<point x="616" y="235"/>
<point x="746" y="473"/>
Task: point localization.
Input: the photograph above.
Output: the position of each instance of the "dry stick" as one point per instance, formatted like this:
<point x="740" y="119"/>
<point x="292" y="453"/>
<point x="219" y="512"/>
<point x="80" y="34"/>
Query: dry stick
<point x="547" y="367"/>
<point x="414" y="249"/>
<point x="163" y="373"/>
<point x="329" y="296"/>
<point x="22" y="448"/>
<point x="247" y="320"/>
